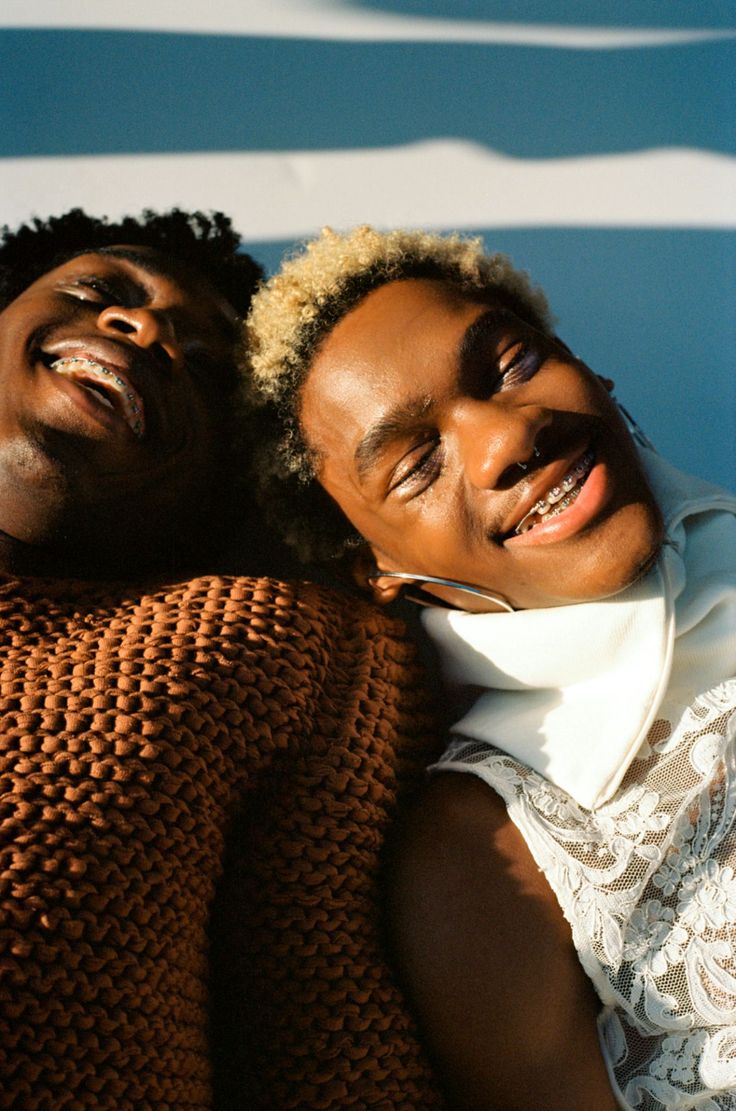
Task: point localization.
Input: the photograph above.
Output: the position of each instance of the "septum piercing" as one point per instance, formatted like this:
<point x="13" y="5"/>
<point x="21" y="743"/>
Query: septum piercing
<point x="536" y="453"/>
<point x="435" y="580"/>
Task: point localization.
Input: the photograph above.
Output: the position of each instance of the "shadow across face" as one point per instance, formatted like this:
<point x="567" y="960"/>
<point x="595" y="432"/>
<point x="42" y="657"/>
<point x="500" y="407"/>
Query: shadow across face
<point x="462" y="443"/>
<point x="117" y="416"/>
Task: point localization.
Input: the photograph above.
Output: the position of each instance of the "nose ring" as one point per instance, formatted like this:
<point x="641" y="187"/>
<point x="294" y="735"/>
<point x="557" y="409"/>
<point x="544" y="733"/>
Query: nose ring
<point x="536" y="454"/>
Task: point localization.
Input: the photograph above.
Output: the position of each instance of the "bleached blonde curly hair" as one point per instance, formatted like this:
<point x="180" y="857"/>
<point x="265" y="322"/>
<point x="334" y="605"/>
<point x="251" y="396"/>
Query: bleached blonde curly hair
<point x="292" y="314"/>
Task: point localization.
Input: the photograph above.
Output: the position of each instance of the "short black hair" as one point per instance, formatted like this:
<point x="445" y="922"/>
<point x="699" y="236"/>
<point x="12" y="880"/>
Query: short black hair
<point x="205" y="243"/>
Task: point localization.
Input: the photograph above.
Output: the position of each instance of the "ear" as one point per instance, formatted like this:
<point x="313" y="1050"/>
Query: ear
<point x="368" y="577"/>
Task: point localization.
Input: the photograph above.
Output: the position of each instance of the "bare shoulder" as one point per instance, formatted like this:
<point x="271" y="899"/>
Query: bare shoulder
<point x="488" y="959"/>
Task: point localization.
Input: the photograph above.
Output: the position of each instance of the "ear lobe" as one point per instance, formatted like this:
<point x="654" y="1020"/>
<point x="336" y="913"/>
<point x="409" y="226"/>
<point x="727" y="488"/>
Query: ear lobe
<point x="368" y="577"/>
<point x="386" y="590"/>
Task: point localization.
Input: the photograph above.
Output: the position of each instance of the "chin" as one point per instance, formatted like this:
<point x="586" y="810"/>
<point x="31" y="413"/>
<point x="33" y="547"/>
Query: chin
<point x="632" y="547"/>
<point x="644" y="565"/>
<point x="636" y="567"/>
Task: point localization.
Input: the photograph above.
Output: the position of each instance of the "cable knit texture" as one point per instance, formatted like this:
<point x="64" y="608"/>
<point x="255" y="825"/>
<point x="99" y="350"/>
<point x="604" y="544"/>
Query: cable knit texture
<point x="196" y="783"/>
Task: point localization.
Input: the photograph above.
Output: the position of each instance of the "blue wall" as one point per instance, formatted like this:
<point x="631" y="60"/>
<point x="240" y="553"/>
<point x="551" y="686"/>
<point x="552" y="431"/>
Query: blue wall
<point x="651" y="306"/>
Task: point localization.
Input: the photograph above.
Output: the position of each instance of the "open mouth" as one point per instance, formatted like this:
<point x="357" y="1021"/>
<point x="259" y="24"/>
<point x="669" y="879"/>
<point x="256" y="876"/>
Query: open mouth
<point x="109" y="388"/>
<point x="559" y="497"/>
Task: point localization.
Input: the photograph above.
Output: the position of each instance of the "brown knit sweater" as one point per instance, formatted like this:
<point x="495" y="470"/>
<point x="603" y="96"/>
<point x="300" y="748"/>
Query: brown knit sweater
<point x="195" y="786"/>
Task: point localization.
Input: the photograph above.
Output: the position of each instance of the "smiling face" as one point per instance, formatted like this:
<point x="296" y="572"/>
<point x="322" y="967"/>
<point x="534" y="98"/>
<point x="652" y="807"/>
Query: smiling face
<point x="464" y="444"/>
<point x="115" y="370"/>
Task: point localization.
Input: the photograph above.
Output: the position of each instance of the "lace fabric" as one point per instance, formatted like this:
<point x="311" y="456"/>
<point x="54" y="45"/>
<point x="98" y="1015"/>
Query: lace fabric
<point x="648" y="884"/>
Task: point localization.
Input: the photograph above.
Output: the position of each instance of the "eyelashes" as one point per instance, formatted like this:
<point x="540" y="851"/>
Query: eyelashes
<point x="518" y="364"/>
<point x="418" y="469"/>
<point x="97" y="285"/>
<point x="424" y="463"/>
<point x="104" y="291"/>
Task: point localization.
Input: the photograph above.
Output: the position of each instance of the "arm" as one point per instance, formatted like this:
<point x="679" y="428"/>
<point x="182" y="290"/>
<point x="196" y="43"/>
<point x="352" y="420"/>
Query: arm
<point x="488" y="959"/>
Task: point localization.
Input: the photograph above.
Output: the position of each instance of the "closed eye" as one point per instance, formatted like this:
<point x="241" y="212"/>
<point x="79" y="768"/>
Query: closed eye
<point x="497" y="352"/>
<point x="418" y="469"/>
<point x="517" y="364"/>
<point x="102" y="291"/>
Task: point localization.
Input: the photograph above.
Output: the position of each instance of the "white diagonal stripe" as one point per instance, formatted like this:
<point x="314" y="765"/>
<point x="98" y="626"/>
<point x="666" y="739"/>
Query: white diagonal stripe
<point x="441" y="184"/>
<point x="330" y="20"/>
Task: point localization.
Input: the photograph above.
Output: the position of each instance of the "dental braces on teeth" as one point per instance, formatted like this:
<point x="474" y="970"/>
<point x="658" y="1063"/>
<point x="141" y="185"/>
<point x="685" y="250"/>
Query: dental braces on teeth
<point x="70" y="360"/>
<point x="559" y="497"/>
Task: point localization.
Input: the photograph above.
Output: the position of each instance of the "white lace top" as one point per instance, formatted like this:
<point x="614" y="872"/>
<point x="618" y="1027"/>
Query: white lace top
<point x="647" y="879"/>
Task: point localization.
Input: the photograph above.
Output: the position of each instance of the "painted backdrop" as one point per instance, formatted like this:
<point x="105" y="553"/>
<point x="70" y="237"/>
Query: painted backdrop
<point x="594" y="142"/>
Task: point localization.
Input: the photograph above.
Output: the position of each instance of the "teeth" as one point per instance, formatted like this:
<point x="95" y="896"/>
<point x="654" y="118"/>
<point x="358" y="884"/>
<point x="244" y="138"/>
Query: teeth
<point x="104" y="399"/>
<point x="80" y="367"/>
<point x="559" y="497"/>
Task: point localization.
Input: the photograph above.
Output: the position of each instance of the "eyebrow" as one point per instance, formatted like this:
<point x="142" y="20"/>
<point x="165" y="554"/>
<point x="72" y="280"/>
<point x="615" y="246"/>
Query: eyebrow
<point x="483" y="333"/>
<point x="406" y="417"/>
<point x="151" y="266"/>
<point x="394" y="425"/>
<point x="138" y="258"/>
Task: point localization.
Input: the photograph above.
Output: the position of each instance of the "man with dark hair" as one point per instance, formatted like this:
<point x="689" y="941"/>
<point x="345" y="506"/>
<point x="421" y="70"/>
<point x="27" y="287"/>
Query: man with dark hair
<point x="147" y="715"/>
<point x="205" y="242"/>
<point x="117" y="347"/>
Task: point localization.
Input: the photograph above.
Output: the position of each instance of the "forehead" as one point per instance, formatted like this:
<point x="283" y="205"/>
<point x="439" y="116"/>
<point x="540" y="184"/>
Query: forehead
<point x="402" y="340"/>
<point x="402" y="320"/>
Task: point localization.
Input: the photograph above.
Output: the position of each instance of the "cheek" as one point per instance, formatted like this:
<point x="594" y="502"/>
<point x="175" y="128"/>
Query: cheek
<point x="205" y="457"/>
<point x="637" y="535"/>
<point x="431" y="543"/>
<point x="578" y="389"/>
<point x="11" y="336"/>
<point x="213" y="455"/>
<point x="622" y="552"/>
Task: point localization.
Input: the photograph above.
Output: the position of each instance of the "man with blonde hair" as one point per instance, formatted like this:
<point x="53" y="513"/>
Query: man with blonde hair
<point x="429" y="426"/>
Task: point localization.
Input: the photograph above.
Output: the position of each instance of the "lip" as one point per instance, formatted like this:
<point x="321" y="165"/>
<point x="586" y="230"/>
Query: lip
<point x="115" y="369"/>
<point x="594" y="495"/>
<point x="537" y="488"/>
<point x="559" y="496"/>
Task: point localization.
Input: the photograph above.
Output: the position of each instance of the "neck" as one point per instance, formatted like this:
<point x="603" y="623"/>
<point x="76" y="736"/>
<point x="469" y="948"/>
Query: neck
<point x="59" y="560"/>
<point x="19" y="558"/>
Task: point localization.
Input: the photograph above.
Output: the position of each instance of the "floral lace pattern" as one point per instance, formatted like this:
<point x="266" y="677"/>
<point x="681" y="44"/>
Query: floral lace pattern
<point x="648" y="884"/>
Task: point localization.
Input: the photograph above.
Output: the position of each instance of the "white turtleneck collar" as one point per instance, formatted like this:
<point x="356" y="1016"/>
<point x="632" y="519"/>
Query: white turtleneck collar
<point x="572" y="691"/>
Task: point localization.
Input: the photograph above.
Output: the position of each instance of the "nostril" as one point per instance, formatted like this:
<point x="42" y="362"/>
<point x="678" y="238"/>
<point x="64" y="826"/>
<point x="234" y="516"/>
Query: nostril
<point x="509" y="477"/>
<point x="121" y="325"/>
<point x="161" y="355"/>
